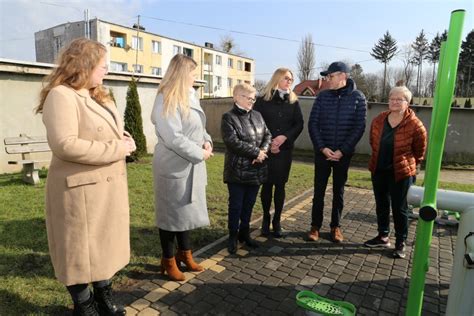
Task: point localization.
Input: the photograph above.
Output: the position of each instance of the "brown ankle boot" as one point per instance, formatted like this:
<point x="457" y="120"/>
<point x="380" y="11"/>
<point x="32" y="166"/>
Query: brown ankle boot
<point x="187" y="257"/>
<point x="169" y="265"/>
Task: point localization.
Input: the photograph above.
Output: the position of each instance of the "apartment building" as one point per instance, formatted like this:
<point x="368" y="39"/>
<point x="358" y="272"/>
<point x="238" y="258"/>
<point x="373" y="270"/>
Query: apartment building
<point x="133" y="49"/>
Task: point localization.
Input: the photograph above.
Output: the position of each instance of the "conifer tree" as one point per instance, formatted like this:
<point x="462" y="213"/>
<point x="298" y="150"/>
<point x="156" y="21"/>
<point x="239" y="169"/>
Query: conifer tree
<point x="383" y="51"/>
<point x="420" y="46"/>
<point x="133" y="121"/>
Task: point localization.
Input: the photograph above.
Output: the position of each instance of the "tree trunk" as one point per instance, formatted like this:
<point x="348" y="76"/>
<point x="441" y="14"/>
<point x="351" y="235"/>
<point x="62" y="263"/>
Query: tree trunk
<point x="384" y="79"/>
<point x="433" y="81"/>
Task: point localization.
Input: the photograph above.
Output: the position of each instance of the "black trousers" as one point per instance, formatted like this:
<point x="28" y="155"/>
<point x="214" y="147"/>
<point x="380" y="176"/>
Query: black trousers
<point x="167" y="241"/>
<point x="322" y="171"/>
<point x="388" y="192"/>
<point x="242" y="198"/>
<point x="278" y="197"/>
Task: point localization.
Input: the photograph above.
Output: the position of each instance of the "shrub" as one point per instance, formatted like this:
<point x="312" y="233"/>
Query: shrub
<point x="468" y="104"/>
<point x="133" y="121"/>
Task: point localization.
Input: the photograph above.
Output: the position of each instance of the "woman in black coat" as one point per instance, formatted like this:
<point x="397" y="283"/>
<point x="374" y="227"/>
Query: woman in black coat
<point x="282" y="114"/>
<point x="247" y="141"/>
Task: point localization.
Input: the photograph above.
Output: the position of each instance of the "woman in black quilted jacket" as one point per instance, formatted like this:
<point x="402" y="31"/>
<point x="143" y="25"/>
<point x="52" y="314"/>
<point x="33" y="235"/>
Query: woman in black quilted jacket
<point x="247" y="140"/>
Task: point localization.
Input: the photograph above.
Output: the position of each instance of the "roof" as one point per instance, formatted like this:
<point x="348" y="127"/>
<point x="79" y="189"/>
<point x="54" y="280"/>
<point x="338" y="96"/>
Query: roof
<point x="310" y="87"/>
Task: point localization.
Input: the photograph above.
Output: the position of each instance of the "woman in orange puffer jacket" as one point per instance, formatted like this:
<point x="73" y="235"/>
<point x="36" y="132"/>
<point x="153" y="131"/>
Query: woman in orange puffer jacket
<point x="398" y="141"/>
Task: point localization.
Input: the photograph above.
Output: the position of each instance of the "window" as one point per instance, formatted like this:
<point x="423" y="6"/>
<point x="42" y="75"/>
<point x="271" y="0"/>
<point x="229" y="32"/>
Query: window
<point x="116" y="66"/>
<point x="188" y="52"/>
<point x="137" y="43"/>
<point x="156" y="71"/>
<point x="176" y="49"/>
<point x="230" y="63"/>
<point x="138" y="68"/>
<point x="208" y="87"/>
<point x="248" y="67"/>
<point x="239" y="65"/>
<point x="218" y="60"/>
<point x="156" y="47"/>
<point x="117" y="39"/>
<point x="219" y="82"/>
<point x="229" y="83"/>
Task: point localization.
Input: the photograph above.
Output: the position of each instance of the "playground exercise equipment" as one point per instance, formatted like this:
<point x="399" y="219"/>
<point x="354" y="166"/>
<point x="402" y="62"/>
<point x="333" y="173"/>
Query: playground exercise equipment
<point x="460" y="300"/>
<point x="444" y="90"/>
<point x="319" y="305"/>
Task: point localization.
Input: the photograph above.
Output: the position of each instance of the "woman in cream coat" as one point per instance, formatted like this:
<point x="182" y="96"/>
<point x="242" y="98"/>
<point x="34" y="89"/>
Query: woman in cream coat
<point x="179" y="167"/>
<point x="87" y="213"/>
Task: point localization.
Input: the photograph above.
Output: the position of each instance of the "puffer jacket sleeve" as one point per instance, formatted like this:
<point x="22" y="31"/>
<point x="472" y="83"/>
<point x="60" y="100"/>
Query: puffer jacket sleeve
<point x="232" y="141"/>
<point x="359" y="124"/>
<point x="314" y="125"/>
<point x="419" y="141"/>
<point x="267" y="138"/>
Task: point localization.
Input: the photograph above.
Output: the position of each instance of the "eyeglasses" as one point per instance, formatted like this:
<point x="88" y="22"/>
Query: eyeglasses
<point x="334" y="74"/>
<point x="290" y="80"/>
<point x="252" y="100"/>
<point x="397" y="100"/>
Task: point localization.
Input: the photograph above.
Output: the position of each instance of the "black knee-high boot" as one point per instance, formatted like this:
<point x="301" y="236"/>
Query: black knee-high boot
<point x="279" y="201"/>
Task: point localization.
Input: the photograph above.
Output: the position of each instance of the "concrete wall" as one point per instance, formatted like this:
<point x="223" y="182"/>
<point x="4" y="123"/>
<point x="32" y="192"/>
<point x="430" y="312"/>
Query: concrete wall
<point x="459" y="145"/>
<point x="20" y="84"/>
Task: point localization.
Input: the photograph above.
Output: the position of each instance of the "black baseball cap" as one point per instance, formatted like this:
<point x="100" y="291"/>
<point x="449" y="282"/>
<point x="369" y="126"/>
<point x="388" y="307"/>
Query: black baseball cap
<point x="335" y="67"/>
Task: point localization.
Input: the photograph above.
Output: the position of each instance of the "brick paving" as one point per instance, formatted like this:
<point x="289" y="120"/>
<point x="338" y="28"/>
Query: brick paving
<point x="265" y="281"/>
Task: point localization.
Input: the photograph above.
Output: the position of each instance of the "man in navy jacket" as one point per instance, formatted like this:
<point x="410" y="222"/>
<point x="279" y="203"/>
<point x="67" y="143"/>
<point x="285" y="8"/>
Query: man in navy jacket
<point x="336" y="124"/>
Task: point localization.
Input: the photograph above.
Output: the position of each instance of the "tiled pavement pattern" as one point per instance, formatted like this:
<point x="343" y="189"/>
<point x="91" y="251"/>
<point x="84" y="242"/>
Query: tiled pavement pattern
<point x="265" y="281"/>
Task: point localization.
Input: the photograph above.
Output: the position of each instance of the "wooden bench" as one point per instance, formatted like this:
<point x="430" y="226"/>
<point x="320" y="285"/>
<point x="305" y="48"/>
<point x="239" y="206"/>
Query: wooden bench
<point x="26" y="145"/>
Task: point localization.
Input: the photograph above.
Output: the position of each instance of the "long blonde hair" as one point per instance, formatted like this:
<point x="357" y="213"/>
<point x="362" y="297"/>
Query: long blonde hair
<point x="272" y="86"/>
<point x="75" y="65"/>
<point x="174" y="85"/>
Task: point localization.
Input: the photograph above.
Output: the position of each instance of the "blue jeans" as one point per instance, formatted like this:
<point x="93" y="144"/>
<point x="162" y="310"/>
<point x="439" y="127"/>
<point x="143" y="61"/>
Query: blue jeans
<point x="242" y="198"/>
<point x="388" y="193"/>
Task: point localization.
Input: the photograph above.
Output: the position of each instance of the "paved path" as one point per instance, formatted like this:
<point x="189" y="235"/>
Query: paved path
<point x="265" y="281"/>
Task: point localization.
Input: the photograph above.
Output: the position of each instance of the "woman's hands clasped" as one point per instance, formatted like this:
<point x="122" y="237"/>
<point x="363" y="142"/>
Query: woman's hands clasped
<point x="129" y="144"/>
<point x="262" y="155"/>
<point x="207" y="150"/>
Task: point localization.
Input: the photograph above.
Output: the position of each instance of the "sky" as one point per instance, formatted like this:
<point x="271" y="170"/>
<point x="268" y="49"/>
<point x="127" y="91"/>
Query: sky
<point x="270" y="32"/>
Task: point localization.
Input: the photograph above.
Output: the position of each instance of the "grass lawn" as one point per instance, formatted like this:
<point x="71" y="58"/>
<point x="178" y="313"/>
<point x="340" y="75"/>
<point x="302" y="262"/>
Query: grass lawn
<point x="27" y="282"/>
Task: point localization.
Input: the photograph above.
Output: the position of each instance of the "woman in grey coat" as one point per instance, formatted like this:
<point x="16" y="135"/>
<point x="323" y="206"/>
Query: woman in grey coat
<point x="179" y="167"/>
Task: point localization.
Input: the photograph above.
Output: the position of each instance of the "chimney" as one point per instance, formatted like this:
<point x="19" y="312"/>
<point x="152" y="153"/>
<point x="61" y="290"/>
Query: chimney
<point x="208" y="45"/>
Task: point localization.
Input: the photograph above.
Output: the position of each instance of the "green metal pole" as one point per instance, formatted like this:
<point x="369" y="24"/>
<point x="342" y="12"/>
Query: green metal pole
<point x="439" y="124"/>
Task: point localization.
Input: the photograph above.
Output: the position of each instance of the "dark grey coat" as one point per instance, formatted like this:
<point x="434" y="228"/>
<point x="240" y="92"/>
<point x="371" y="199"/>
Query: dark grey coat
<point x="179" y="169"/>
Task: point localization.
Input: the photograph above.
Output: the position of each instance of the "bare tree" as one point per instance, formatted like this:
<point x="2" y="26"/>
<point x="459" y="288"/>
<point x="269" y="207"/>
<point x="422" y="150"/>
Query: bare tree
<point x="407" y="57"/>
<point x="228" y="45"/>
<point x="372" y="87"/>
<point x="259" y="85"/>
<point x="306" y="58"/>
